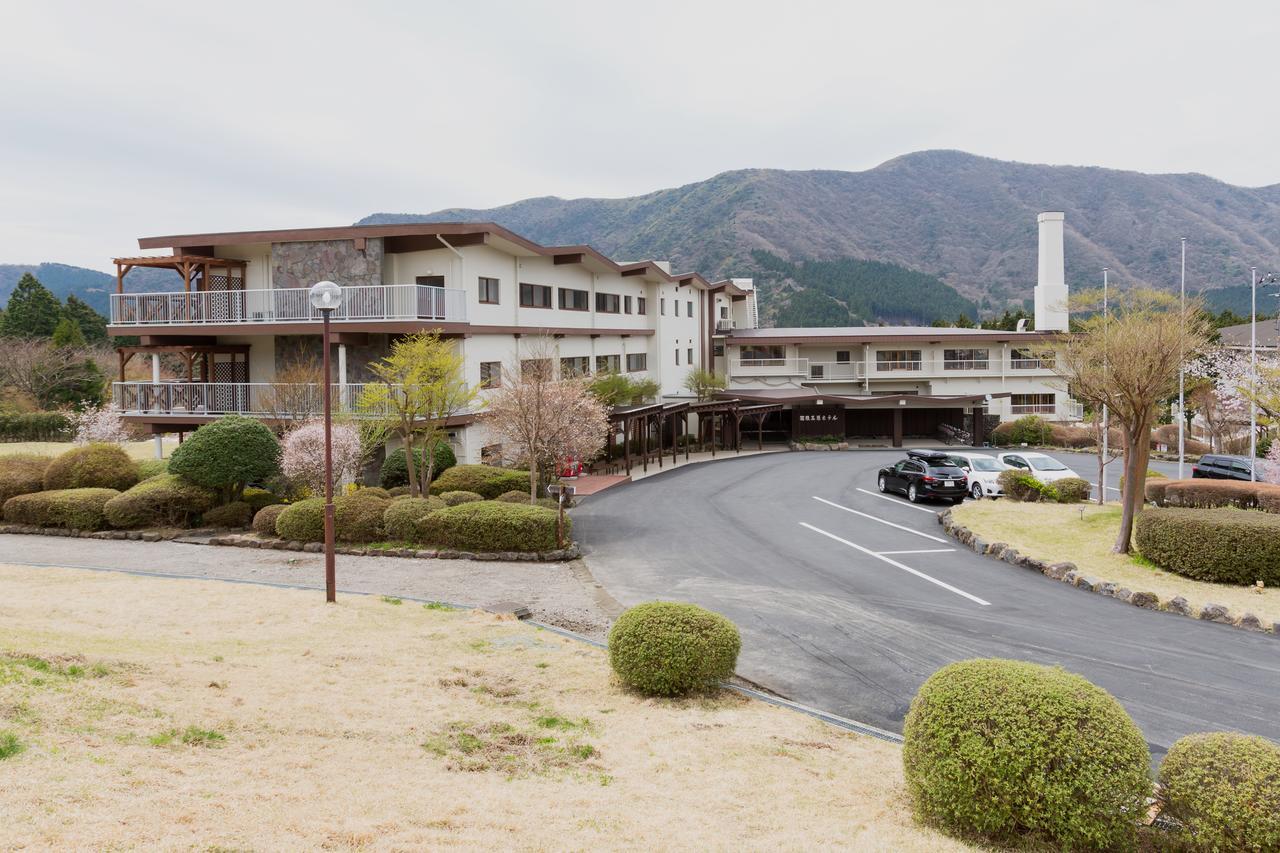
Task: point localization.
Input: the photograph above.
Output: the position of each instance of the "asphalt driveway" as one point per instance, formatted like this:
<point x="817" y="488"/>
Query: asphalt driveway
<point x="848" y="599"/>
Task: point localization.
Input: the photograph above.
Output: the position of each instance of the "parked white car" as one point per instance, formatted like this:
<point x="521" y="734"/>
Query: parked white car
<point x="983" y="472"/>
<point x="1044" y="468"/>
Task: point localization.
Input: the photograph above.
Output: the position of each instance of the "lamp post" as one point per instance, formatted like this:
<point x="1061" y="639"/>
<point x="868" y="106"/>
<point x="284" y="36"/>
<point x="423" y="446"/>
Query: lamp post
<point x="325" y="296"/>
<point x="1182" y="401"/>
<point x="1106" y="415"/>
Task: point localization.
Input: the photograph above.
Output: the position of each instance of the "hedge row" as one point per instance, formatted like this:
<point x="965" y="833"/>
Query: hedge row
<point x="21" y="474"/>
<point x="92" y="466"/>
<point x="492" y="526"/>
<point x="1224" y="545"/>
<point x="74" y="509"/>
<point x="1035" y="430"/>
<point x="1209" y="494"/>
<point x="403" y="514"/>
<point x="165" y="500"/>
<point x="35" y="426"/>
<point x="1020" y="486"/>
<point x="485" y="480"/>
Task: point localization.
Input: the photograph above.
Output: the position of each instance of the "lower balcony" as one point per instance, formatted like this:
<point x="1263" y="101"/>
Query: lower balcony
<point x="202" y="400"/>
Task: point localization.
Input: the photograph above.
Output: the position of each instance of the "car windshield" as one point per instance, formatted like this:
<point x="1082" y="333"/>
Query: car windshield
<point x="945" y="470"/>
<point x="980" y="464"/>
<point x="1046" y="463"/>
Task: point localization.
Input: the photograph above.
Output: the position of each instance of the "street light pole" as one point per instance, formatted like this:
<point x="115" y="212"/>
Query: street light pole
<point x="1106" y="415"/>
<point x="1182" y="398"/>
<point x="1253" y="373"/>
<point x="325" y="296"/>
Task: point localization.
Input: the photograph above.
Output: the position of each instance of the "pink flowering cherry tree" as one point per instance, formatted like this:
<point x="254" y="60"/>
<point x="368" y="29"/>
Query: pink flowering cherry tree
<point x="302" y="459"/>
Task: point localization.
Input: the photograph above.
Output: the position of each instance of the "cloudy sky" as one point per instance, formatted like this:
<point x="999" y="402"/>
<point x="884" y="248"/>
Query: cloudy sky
<point x="127" y="119"/>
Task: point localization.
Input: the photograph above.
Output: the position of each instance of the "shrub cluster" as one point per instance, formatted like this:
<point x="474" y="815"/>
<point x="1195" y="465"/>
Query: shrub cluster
<point x="75" y="509"/>
<point x="35" y="426"/>
<point x="165" y="500"/>
<point x="1224" y="788"/>
<point x="234" y="514"/>
<point x="1072" y="489"/>
<point x="521" y="496"/>
<point x="395" y="470"/>
<point x="403" y="514"/>
<point x="21" y="474"/>
<point x="92" y="466"/>
<point x="1167" y="434"/>
<point x="302" y="521"/>
<point x="1208" y="494"/>
<point x="1023" y="754"/>
<point x="1018" y="485"/>
<point x="1232" y="546"/>
<point x="491" y="526"/>
<point x="357" y="518"/>
<point x="258" y="498"/>
<point x="663" y="648"/>
<point x="148" y="468"/>
<point x="460" y="497"/>
<point x="228" y="454"/>
<point x="485" y="480"/>
<point x="264" y="520"/>
<point x="1031" y="429"/>
<point x="374" y="492"/>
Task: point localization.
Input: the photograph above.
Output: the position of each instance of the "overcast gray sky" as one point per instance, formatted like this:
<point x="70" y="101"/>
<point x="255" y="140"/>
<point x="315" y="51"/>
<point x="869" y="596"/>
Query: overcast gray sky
<point x="126" y="119"/>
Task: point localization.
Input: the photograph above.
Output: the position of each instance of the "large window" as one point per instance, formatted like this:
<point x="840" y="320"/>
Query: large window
<point x="773" y="352"/>
<point x="574" y="300"/>
<point x="641" y="304"/>
<point x="626" y="305"/>
<point x="842" y="356"/>
<point x="578" y="365"/>
<point x="966" y="359"/>
<point x="637" y="361"/>
<point x="535" y="296"/>
<point x="1022" y="359"/>
<point x="608" y="303"/>
<point x="490" y="374"/>
<point x="488" y="291"/>
<point x="608" y="363"/>
<point x="1032" y="404"/>
<point x="898" y="359"/>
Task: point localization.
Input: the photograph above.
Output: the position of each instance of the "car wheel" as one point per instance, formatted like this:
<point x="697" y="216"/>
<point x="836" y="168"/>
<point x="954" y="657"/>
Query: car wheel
<point x="912" y="494"/>
<point x="884" y="487"/>
<point x="976" y="491"/>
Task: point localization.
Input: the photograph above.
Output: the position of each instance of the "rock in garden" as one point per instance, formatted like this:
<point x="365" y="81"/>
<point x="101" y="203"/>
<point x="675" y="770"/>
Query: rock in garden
<point x="1010" y="555"/>
<point x="1215" y="613"/>
<point x="313" y="547"/>
<point x="997" y="548"/>
<point x="1108" y="589"/>
<point x="1145" y="600"/>
<point x="1250" y="622"/>
<point x="1086" y="583"/>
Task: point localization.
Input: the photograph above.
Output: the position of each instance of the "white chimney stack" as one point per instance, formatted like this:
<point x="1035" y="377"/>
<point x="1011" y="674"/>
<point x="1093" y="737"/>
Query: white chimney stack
<point x="1051" y="283"/>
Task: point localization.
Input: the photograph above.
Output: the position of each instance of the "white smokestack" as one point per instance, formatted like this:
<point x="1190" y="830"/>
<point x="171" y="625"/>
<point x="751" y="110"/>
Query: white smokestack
<point x="1051" y="283"/>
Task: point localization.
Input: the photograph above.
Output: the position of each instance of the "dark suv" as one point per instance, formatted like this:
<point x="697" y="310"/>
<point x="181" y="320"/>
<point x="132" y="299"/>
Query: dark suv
<point x="1215" y="467"/>
<point x="924" y="474"/>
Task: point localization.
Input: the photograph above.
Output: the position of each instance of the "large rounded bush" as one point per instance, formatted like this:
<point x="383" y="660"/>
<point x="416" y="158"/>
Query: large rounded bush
<point x="395" y="470"/>
<point x="21" y="474"/>
<point x="264" y="520"/>
<point x="357" y="518"/>
<point x="1208" y="494"/>
<point x="1226" y="545"/>
<point x="235" y="514"/>
<point x="92" y="466"/>
<point x="491" y="526"/>
<point x="1018" y="485"/>
<point x="667" y="649"/>
<point x="302" y="521"/>
<point x="75" y="509"/>
<point x="515" y="496"/>
<point x="485" y="480"/>
<point x="165" y="500"/>
<point x="1072" y="489"/>
<point x="1225" y="790"/>
<point x="228" y="454"/>
<point x="459" y="497"/>
<point x="259" y="498"/>
<point x="148" y="468"/>
<point x="1019" y="753"/>
<point x="402" y="516"/>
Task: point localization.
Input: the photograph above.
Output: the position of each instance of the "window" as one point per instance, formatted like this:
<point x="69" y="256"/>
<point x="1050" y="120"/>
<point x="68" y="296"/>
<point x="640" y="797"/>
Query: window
<point x="675" y="307"/>
<point x="1032" y="404"/>
<point x="815" y="371"/>
<point x="965" y="359"/>
<point x="898" y="359"/>
<point x="641" y="305"/>
<point x="535" y="296"/>
<point x="608" y="303"/>
<point x="608" y="363"/>
<point x="490" y="374"/>
<point x="717" y="350"/>
<point x="842" y="356"/>
<point x="626" y="304"/>
<point x="689" y="351"/>
<point x="775" y="352"/>
<point x="429" y="280"/>
<point x="1021" y="359"/>
<point x="536" y="368"/>
<point x="677" y="356"/>
<point x="662" y="306"/>
<point x="637" y="361"/>
<point x="488" y="291"/>
<point x="690" y="306"/>
<point x="578" y="365"/>
<point x="724" y="312"/>
<point x="574" y="300"/>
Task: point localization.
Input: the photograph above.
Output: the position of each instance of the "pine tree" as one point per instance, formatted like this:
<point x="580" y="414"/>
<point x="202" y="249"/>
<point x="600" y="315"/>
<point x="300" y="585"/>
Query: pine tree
<point x="67" y="334"/>
<point x="32" y="312"/>
<point x="92" y="324"/>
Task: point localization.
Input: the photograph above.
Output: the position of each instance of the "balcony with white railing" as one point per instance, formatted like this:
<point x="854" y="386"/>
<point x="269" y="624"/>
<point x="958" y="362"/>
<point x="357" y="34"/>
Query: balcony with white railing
<point x="835" y="371"/>
<point x="272" y="400"/>
<point x="360" y="303"/>
<point x="769" y="367"/>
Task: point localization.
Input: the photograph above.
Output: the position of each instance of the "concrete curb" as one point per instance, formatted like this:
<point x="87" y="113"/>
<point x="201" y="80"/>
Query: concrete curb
<point x="252" y="541"/>
<point x="1068" y="573"/>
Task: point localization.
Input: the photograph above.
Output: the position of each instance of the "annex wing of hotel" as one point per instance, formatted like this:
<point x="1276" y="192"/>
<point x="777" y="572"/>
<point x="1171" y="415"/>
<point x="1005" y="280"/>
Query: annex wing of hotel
<point x="242" y="318"/>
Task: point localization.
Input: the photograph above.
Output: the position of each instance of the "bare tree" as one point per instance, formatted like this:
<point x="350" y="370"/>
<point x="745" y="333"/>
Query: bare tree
<point x="297" y="392"/>
<point x="51" y="376"/>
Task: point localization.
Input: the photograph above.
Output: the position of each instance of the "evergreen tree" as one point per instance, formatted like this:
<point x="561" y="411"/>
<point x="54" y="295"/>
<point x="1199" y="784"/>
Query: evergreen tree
<point x="67" y="334"/>
<point x="92" y="324"/>
<point x="32" y="312"/>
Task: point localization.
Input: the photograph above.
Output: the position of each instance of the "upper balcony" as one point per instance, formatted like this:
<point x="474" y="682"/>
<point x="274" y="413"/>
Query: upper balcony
<point x="363" y="303"/>
<point x="812" y="370"/>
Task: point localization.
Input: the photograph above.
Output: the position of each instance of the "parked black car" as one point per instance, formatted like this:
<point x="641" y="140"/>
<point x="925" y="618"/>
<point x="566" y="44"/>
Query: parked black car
<point x="925" y="474"/>
<point x="1216" y="467"/>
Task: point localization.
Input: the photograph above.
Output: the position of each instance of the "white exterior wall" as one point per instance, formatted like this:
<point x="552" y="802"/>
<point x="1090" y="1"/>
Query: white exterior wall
<point x="678" y="332"/>
<point x="258" y="271"/>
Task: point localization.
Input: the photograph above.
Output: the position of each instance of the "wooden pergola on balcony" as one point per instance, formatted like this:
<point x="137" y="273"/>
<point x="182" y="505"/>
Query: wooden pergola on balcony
<point x="204" y="272"/>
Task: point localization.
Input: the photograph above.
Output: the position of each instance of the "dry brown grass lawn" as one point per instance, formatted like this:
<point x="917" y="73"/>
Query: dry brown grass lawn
<point x="136" y="449"/>
<point x="200" y="715"/>
<point x="1056" y="532"/>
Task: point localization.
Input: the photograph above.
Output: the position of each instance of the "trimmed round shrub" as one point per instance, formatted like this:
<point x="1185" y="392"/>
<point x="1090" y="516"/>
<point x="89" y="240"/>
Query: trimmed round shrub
<point x="1030" y="429"/>
<point x="258" y="498"/>
<point x="1020" y="486"/>
<point x="1023" y="754"/>
<point x="395" y="469"/>
<point x="357" y="518"/>
<point x="22" y="474"/>
<point x="1225" y="790"/>
<point x="165" y="500"/>
<point x="1207" y="494"/>
<point x="92" y="466"/>
<point x="302" y="521"/>
<point x="148" y="468"/>
<point x="515" y="496"/>
<point x="663" y="648"/>
<point x="1072" y="489"/>
<point x="75" y="509"/>
<point x="1226" y="545"/>
<point x="456" y="498"/>
<point x="487" y="481"/>
<point x="373" y="492"/>
<point x="234" y="514"/>
<point x="402" y="516"/>
<point x="264" y="520"/>
<point x="492" y="526"/>
<point x="398" y="491"/>
<point x="228" y="454"/>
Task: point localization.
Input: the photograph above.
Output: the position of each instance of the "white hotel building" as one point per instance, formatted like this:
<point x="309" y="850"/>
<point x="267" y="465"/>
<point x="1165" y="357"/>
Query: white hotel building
<point x="242" y="315"/>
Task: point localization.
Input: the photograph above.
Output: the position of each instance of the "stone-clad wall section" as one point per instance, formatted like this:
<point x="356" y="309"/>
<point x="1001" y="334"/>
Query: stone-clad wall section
<point x="292" y="349"/>
<point x="303" y="264"/>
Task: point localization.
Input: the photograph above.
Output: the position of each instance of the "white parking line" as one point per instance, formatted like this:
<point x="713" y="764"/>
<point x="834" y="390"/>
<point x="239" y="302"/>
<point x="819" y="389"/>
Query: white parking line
<point x="881" y="520"/>
<point x="921" y="551"/>
<point x="897" y="565"/>
<point x="1112" y="488"/>
<point x="897" y="502"/>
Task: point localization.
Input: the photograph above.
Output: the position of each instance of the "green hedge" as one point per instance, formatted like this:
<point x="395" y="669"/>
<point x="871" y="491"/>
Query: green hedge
<point x="234" y="514"/>
<point x="1224" y="788"/>
<point x="1025" y="755"/>
<point x="22" y="474"/>
<point x="1226" y="545"/>
<point x="228" y="454"/>
<point x="492" y="526"/>
<point x="1072" y="489"/>
<point x="663" y="648"/>
<point x="1031" y="429"/>
<point x="485" y="480"/>
<point x="402" y="516"/>
<point x="395" y="470"/>
<point x="264" y="520"/>
<point x="92" y="466"/>
<point x="373" y="491"/>
<point x="1018" y="485"/>
<point x="259" y="498"/>
<point x="75" y="509"/>
<point x="459" y="497"/>
<point x="148" y="468"/>
<point x="35" y="426"/>
<point x="1208" y="494"/>
<point x="357" y="518"/>
<point x="165" y="500"/>
<point x="302" y="521"/>
<point x="521" y="496"/>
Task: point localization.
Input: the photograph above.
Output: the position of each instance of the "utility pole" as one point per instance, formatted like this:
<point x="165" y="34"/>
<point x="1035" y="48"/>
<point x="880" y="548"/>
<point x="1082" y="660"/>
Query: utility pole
<point x="1182" y="358"/>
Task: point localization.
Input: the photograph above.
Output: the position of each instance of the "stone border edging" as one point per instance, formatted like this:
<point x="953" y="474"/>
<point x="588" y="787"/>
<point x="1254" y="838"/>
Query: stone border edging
<point x="239" y="540"/>
<point x="136" y="535"/>
<point x="1068" y="573"/>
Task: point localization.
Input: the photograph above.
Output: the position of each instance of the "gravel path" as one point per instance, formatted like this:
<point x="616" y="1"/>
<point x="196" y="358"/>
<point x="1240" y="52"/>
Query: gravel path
<point x="561" y="594"/>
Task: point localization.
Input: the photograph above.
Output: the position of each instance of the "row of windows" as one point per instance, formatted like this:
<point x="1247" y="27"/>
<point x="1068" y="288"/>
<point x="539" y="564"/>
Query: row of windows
<point x="571" y="299"/>
<point x="578" y="365"/>
<point x="909" y="359"/>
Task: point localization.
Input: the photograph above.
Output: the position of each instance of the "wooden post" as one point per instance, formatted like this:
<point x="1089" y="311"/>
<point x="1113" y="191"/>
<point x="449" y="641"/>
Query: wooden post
<point x="760" y="431"/>
<point x="685" y="431"/>
<point x="662" y="424"/>
<point x="644" y="443"/>
<point x="626" y="443"/>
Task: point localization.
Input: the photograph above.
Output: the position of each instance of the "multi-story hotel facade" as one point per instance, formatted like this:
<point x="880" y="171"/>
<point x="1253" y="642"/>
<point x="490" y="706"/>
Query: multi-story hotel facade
<point x="242" y="318"/>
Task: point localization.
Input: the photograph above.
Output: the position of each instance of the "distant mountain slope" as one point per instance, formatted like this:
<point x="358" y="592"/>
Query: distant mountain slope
<point x="90" y="285"/>
<point x="970" y="221"/>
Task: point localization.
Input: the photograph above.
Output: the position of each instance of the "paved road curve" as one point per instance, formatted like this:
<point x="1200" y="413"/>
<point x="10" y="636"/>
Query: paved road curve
<point x="848" y="600"/>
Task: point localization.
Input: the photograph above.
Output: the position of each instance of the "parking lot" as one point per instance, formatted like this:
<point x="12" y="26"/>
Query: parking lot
<point x="848" y="599"/>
